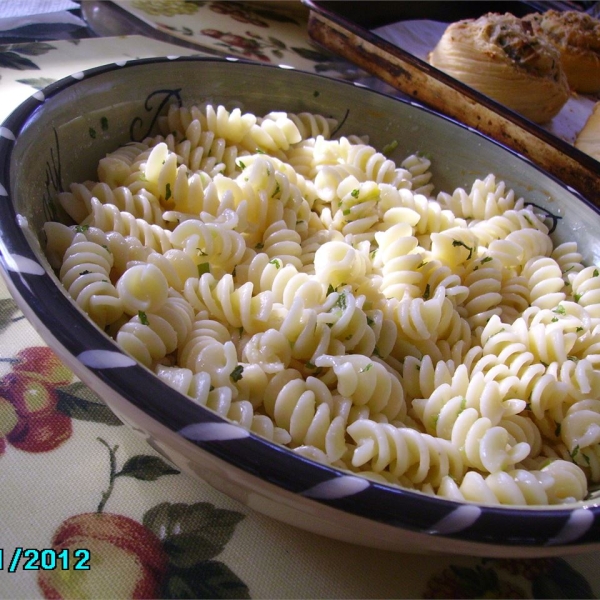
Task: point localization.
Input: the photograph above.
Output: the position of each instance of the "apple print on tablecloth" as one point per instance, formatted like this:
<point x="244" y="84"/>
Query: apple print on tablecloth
<point x="169" y="555"/>
<point x="510" y="578"/>
<point x="38" y="399"/>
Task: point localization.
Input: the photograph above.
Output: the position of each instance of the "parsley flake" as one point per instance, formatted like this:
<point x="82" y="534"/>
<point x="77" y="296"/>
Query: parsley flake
<point x="389" y="148"/>
<point x="236" y="374"/>
<point x="457" y="243"/>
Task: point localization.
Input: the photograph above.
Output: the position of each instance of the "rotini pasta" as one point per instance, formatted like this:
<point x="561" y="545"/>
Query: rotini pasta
<point x="312" y="290"/>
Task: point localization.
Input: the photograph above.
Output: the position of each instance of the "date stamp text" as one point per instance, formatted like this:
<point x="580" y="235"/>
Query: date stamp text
<point x="46" y="559"/>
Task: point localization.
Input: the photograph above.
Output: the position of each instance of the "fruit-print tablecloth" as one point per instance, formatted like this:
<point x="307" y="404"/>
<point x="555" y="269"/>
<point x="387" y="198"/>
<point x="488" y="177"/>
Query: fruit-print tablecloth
<point x="71" y="473"/>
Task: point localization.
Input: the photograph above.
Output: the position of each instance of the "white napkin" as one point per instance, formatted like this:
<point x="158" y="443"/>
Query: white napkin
<point x="18" y="14"/>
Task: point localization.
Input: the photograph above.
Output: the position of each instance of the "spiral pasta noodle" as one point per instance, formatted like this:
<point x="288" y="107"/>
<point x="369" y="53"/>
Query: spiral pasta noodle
<point x="312" y="290"/>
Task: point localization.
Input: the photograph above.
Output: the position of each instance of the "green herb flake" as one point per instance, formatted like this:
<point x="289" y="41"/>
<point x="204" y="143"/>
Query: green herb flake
<point x="575" y="452"/>
<point x="81" y="228"/>
<point x="577" y="297"/>
<point x="203" y="268"/>
<point x="310" y="365"/>
<point x="595" y="273"/>
<point x="486" y="259"/>
<point x="560" y="310"/>
<point x="259" y="246"/>
<point x="168" y="191"/>
<point x="86" y="272"/>
<point x="275" y="262"/>
<point x="277" y="191"/>
<point x="366" y="368"/>
<point x="354" y="193"/>
<point x="92" y="132"/>
<point x="341" y="301"/>
<point x="389" y="148"/>
<point x="427" y="292"/>
<point x="240" y="164"/>
<point x="370" y="322"/>
<point x="579" y="329"/>
<point x="573" y="358"/>
<point x="104" y="123"/>
<point x="346" y="212"/>
<point x="260" y="151"/>
<point x="457" y="243"/>
<point x="554" y="319"/>
<point x="236" y="374"/>
<point x="330" y="289"/>
<point x="143" y="317"/>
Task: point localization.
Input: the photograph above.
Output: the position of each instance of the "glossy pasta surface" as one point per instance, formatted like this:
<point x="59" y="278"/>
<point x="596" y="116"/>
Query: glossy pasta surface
<point x="324" y="296"/>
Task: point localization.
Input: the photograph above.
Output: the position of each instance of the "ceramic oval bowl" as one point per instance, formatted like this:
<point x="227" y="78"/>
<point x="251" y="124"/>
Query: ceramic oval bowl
<point x="58" y="136"/>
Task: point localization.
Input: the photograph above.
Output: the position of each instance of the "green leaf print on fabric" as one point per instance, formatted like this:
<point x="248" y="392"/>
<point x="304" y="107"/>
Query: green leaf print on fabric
<point x="79" y="402"/>
<point x="39" y="83"/>
<point x="207" y="579"/>
<point x="13" y="56"/>
<point x="8" y="310"/>
<point x="192" y="535"/>
<point x="146" y="468"/>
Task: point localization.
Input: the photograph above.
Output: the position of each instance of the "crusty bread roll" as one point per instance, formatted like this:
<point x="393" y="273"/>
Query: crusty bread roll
<point x="501" y="57"/>
<point x="576" y="35"/>
<point x="588" y="139"/>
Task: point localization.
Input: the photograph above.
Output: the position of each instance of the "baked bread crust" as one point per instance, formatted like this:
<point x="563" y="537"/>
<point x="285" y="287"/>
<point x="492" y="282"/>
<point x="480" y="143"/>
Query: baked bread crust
<point x="576" y="35"/>
<point x="500" y="56"/>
